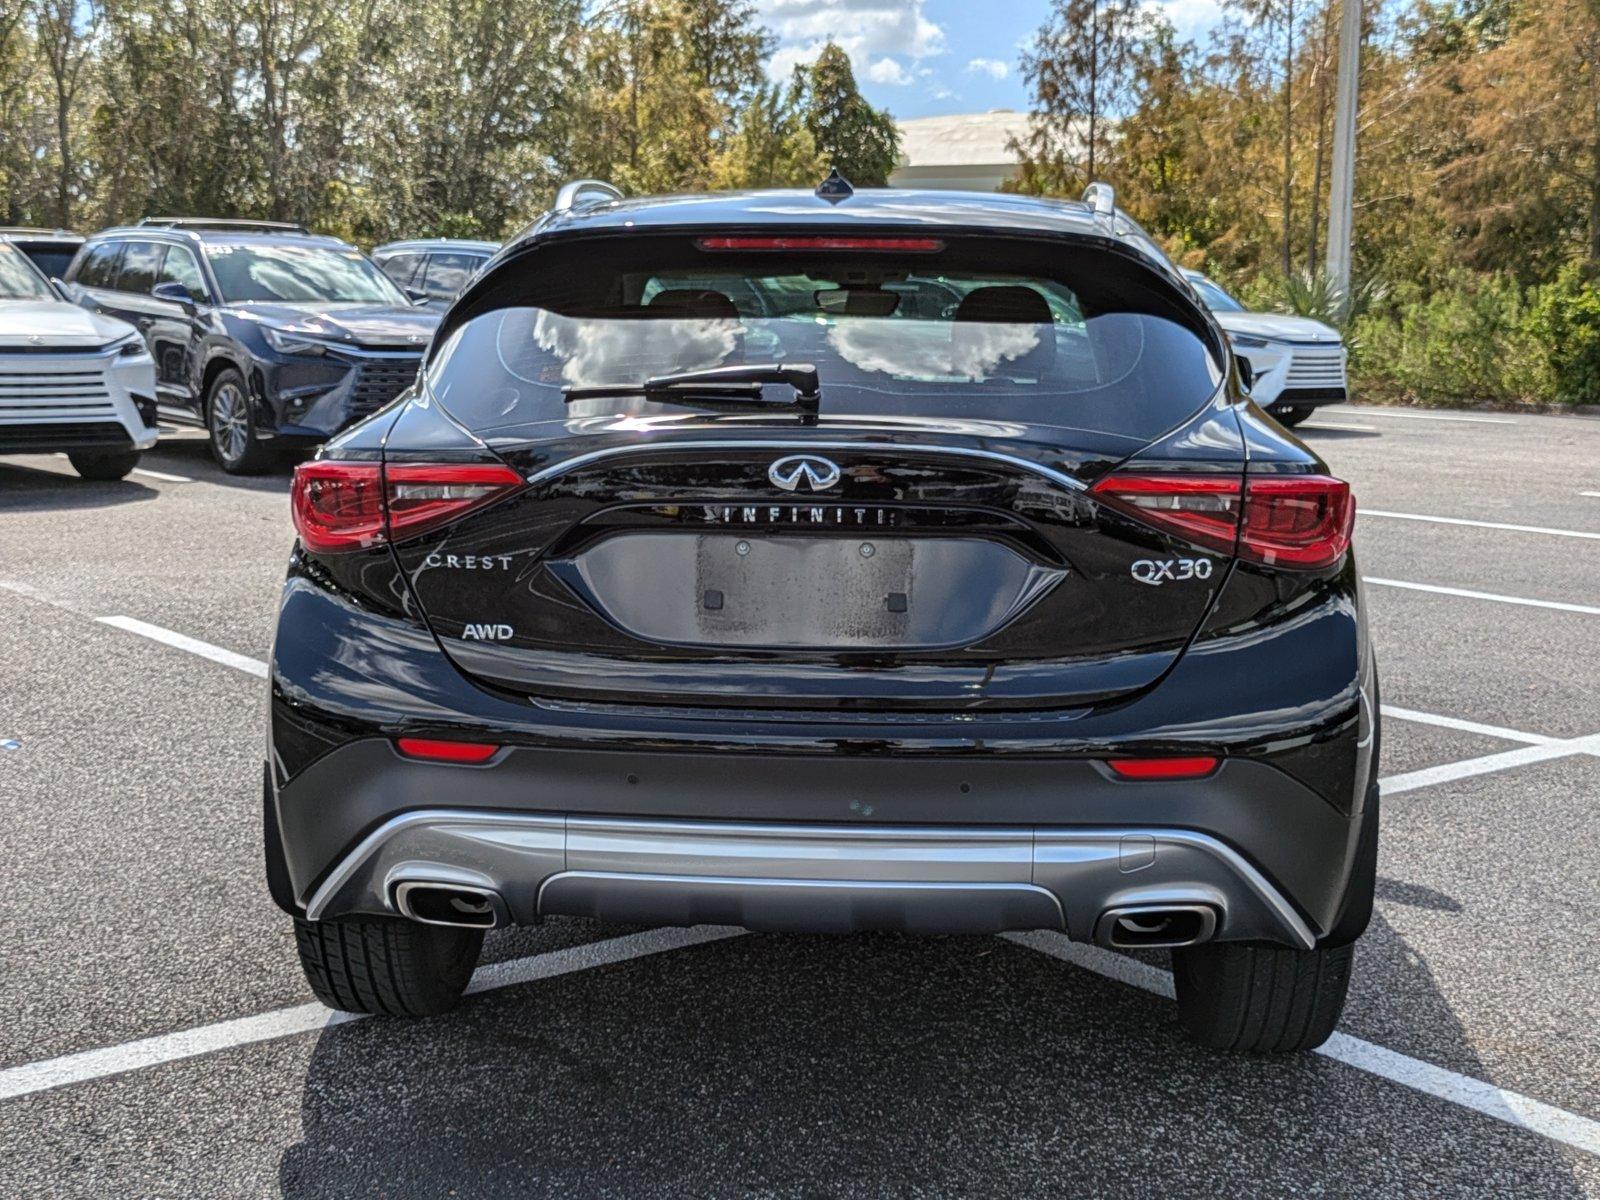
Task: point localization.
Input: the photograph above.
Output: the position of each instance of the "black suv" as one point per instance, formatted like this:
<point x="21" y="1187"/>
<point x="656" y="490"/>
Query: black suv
<point x="822" y="562"/>
<point x="262" y="333"/>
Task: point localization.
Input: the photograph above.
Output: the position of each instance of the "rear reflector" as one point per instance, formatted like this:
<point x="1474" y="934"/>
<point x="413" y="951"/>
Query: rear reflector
<point x="434" y="750"/>
<point x="1163" y="768"/>
<point x="1299" y="522"/>
<point x="340" y="506"/>
<point x="916" y="244"/>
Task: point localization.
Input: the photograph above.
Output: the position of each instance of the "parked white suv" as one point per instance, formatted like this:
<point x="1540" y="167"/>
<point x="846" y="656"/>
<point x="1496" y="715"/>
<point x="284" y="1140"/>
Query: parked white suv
<point x="69" y="379"/>
<point x="1299" y="364"/>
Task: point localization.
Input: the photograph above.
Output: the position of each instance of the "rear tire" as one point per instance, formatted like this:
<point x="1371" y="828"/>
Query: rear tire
<point x="1261" y="999"/>
<point x="102" y="467"/>
<point x="387" y="965"/>
<point x="1293" y="416"/>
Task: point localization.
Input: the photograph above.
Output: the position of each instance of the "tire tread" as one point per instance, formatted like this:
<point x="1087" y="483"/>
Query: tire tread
<point x="1261" y="999"/>
<point x="386" y="965"/>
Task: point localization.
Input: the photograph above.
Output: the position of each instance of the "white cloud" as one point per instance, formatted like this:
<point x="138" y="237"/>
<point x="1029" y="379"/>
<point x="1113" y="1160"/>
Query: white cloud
<point x="888" y="70"/>
<point x="876" y="34"/>
<point x="1189" y="18"/>
<point x="992" y="67"/>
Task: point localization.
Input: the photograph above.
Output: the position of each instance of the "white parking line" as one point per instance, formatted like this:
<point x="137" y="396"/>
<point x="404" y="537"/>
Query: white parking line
<point x="227" y="658"/>
<point x="1400" y="516"/>
<point x="1410" y="416"/>
<point x="1397" y="713"/>
<point x="161" y="475"/>
<point x="308" y="1018"/>
<point x="1486" y="764"/>
<point x="1594" y="494"/>
<point x="1557" y="1124"/>
<point x="1469" y="594"/>
<point x="1331" y="425"/>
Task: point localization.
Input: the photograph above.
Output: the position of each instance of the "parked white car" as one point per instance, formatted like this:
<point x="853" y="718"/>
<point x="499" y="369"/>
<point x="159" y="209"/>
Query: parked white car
<point x="1299" y="364"/>
<point x="70" y="380"/>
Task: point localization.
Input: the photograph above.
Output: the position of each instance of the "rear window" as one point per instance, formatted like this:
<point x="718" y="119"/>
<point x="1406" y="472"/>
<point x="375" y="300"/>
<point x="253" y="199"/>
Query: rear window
<point x="996" y="329"/>
<point x="52" y="260"/>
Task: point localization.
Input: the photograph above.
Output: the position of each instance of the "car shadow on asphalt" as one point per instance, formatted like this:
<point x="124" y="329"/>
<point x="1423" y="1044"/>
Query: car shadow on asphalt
<point x="25" y="488"/>
<point x="875" y="1065"/>
<point x="192" y="456"/>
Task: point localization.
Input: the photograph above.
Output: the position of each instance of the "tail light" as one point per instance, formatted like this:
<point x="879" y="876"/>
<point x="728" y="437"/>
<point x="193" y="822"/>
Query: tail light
<point x="339" y="506"/>
<point x="1300" y="522"/>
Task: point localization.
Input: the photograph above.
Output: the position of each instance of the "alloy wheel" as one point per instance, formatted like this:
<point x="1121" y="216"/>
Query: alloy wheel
<point x="230" y="422"/>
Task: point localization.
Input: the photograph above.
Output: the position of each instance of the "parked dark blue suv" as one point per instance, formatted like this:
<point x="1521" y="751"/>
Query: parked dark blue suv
<point x="262" y="332"/>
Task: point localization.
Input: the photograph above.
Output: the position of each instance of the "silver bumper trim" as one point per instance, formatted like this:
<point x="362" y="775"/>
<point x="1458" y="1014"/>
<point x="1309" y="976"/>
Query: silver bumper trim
<point x="809" y="877"/>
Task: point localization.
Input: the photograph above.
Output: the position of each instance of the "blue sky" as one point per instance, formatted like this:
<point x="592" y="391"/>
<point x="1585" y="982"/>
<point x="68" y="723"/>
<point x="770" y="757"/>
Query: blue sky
<point x="921" y="58"/>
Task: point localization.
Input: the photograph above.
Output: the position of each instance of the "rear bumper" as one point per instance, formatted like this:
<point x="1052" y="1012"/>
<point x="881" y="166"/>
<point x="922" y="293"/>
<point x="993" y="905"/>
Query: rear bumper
<point x="821" y="878"/>
<point x="825" y="844"/>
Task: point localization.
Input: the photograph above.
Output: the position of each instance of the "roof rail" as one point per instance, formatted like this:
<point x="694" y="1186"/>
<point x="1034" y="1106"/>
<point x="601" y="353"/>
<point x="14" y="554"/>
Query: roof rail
<point x="1101" y="198"/>
<point x="229" y="224"/>
<point x="581" y="193"/>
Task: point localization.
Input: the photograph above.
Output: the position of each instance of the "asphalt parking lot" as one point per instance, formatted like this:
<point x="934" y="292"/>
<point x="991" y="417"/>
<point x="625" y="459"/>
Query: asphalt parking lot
<point x="159" y="1040"/>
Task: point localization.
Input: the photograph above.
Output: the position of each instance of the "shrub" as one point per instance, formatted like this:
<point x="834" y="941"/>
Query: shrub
<point x="1564" y="323"/>
<point x="1465" y="341"/>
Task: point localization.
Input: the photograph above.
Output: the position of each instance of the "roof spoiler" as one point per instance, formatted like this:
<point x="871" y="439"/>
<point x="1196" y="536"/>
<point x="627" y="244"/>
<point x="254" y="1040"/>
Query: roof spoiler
<point x="584" y="193"/>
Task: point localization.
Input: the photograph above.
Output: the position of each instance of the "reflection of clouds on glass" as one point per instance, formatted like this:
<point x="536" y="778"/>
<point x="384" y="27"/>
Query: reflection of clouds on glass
<point x="931" y="350"/>
<point x="593" y="352"/>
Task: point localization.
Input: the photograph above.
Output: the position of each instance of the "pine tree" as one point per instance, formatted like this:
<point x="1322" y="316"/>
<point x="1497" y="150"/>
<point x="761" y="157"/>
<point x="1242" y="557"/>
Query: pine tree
<point x="860" y="141"/>
<point x="1081" y="67"/>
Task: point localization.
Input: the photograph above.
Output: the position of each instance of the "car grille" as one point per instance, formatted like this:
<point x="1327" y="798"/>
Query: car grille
<point x="61" y="435"/>
<point x="1316" y="369"/>
<point x="38" y="388"/>
<point x="379" y="380"/>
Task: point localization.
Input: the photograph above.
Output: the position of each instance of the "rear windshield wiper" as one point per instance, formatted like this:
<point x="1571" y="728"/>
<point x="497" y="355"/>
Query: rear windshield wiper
<point x="720" y="387"/>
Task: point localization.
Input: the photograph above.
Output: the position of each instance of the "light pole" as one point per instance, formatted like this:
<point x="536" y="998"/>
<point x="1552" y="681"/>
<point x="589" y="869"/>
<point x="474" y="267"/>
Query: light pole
<point x="1342" y="186"/>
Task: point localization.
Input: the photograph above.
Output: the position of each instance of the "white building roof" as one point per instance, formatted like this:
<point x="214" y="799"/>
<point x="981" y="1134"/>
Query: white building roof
<point x="963" y="140"/>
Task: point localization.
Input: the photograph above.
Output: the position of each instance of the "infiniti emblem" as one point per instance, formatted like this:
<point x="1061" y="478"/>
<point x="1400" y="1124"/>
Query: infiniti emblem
<point x="803" y="472"/>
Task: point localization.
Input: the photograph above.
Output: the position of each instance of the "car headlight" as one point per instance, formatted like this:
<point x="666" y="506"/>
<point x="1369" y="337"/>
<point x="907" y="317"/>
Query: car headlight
<point x="1245" y="342"/>
<point x="292" y="343"/>
<point x="131" y="346"/>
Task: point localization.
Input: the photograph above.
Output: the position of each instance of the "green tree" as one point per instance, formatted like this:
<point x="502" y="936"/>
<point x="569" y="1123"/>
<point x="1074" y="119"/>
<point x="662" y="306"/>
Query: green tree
<point x="861" y="141"/>
<point x="770" y="146"/>
<point x="666" y="81"/>
<point x="64" y="37"/>
<point x="1080" y="68"/>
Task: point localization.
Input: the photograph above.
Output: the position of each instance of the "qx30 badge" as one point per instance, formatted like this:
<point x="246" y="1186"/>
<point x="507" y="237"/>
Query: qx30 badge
<point x="1156" y="571"/>
<point x="803" y="472"/>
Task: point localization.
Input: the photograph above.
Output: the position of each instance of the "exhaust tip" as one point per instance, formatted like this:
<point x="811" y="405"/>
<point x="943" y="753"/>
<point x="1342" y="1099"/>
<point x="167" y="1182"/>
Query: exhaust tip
<point x="1156" y="926"/>
<point x="456" y="905"/>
